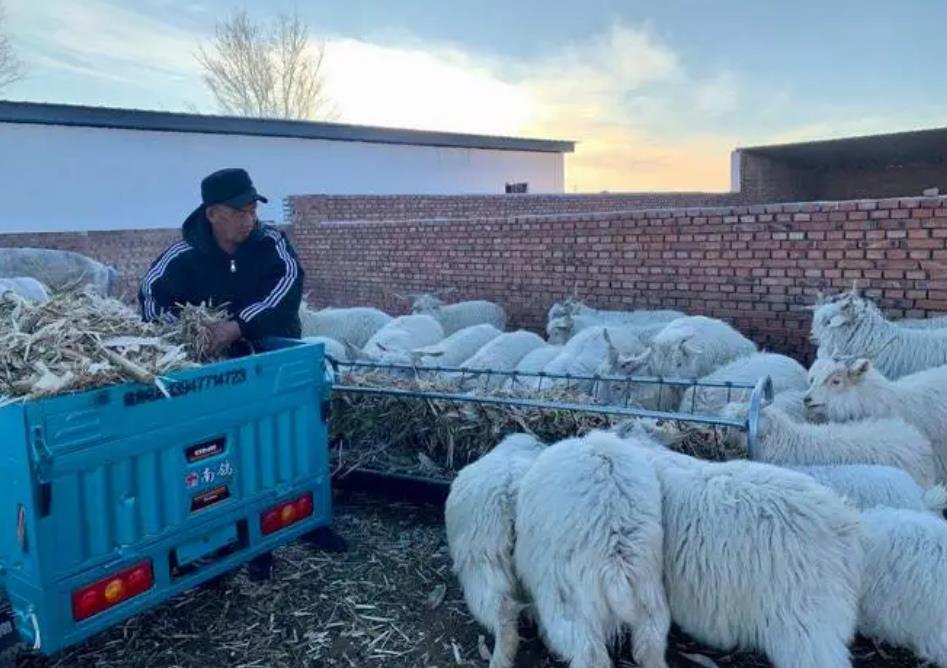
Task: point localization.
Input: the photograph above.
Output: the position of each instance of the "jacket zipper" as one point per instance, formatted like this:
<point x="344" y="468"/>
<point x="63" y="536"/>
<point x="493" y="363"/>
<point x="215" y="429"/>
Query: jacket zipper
<point x="233" y="266"/>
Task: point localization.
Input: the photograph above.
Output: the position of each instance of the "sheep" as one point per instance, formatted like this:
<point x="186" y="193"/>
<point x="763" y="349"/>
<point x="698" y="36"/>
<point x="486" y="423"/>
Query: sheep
<point x="479" y="517"/>
<point x="333" y="348"/>
<point x="355" y="325"/>
<point x="695" y="346"/>
<point x="935" y="322"/>
<point x="57" y="269"/>
<point x="785" y="372"/>
<point x="531" y="364"/>
<point x="390" y="344"/>
<point x="902" y="599"/>
<point x="584" y="354"/>
<point x="758" y="557"/>
<point x="889" y="441"/>
<point x="500" y="354"/>
<point x="590" y="554"/>
<point x="26" y="287"/>
<point x="852" y="325"/>
<point x="453" y="350"/>
<point x="685" y="348"/>
<point x="845" y="389"/>
<point x="870" y="485"/>
<point x="454" y="317"/>
<point x="568" y="319"/>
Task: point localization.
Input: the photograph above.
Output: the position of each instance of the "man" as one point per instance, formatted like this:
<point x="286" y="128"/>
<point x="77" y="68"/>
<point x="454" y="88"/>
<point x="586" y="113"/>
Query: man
<point x="226" y="256"/>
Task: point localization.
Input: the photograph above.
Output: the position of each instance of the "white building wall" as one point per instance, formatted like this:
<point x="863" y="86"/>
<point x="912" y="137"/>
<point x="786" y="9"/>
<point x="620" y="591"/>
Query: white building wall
<point x="61" y="178"/>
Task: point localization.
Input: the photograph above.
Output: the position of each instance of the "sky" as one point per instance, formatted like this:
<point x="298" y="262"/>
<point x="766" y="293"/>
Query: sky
<point x="656" y="94"/>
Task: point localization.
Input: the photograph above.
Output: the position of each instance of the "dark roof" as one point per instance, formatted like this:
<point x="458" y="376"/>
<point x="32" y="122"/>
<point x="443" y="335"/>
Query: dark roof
<point x="135" y="119"/>
<point x="897" y="147"/>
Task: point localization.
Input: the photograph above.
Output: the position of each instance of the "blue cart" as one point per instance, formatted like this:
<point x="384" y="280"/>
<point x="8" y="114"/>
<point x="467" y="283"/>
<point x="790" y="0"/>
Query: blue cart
<point x="117" y="499"/>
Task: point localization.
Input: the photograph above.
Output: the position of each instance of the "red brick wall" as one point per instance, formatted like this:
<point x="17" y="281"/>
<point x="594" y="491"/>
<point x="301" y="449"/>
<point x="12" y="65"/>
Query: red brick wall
<point x="320" y="208"/>
<point x="755" y="266"/>
<point x="131" y="252"/>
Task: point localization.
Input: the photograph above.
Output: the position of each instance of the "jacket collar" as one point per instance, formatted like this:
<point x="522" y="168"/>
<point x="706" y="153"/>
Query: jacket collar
<point x="196" y="231"/>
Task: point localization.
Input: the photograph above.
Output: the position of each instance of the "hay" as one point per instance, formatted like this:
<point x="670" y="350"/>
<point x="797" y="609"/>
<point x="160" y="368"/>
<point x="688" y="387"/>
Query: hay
<point x="437" y="437"/>
<point x="79" y="340"/>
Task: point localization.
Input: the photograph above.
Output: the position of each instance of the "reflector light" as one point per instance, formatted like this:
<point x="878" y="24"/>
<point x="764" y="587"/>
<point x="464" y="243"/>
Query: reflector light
<point x="286" y="514"/>
<point x="107" y="592"/>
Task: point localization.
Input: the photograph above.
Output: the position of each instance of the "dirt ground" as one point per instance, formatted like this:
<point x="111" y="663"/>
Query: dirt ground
<point x="390" y="601"/>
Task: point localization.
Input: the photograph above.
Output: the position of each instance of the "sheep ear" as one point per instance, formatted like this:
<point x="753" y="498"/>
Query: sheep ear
<point x="838" y="321"/>
<point x="634" y="361"/>
<point x="859" y="368"/>
<point x="613" y="357"/>
<point x="689" y="348"/>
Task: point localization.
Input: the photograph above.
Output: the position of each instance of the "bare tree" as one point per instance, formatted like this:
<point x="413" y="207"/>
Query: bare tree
<point x="11" y="69"/>
<point x="270" y="72"/>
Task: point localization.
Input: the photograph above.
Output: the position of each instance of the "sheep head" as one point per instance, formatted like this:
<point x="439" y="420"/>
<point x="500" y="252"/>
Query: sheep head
<point x="839" y="389"/>
<point x="425" y="303"/>
<point x="559" y="330"/>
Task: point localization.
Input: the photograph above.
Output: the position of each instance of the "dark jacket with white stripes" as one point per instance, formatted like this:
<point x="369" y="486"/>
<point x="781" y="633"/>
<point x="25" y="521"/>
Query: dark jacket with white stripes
<point x="261" y="283"/>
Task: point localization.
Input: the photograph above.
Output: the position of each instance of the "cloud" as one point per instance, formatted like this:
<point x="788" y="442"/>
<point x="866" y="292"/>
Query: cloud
<point x="609" y="91"/>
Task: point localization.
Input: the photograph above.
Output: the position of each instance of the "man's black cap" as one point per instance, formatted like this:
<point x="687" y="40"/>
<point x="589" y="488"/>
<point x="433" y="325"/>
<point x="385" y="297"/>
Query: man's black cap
<point x="232" y="187"/>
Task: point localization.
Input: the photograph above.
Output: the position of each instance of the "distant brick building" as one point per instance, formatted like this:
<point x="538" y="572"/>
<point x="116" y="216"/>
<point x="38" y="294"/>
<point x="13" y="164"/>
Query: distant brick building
<point x="889" y="165"/>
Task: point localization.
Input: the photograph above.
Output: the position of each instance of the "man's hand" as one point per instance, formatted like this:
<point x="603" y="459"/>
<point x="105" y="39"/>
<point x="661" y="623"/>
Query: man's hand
<point x="223" y="334"/>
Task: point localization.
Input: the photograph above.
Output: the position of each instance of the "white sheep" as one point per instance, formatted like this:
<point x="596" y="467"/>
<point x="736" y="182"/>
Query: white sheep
<point x="479" y="517"/>
<point x="26" y="287"/>
<point x="454" y="317"/>
<point x="500" y="354"/>
<point x="758" y="557"/>
<point x="851" y="325"/>
<point x="392" y="343"/>
<point x="354" y="325"/>
<point x="870" y="485"/>
<point x="333" y="348"/>
<point x="531" y="365"/>
<point x="887" y="441"/>
<point x="585" y="353"/>
<point x="57" y="269"/>
<point x="568" y="319"/>
<point x="903" y="600"/>
<point x="844" y="389"/>
<point x="695" y="346"/>
<point x="684" y="349"/>
<point x="786" y="374"/>
<point x="589" y="551"/>
<point x="453" y="350"/>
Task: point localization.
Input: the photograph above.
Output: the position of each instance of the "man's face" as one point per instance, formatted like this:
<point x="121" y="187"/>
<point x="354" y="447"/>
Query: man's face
<point x="232" y="226"/>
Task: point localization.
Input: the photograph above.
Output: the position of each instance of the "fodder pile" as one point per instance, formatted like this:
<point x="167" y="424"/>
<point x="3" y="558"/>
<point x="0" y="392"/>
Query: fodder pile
<point x="79" y="340"/>
<point x="436" y="437"/>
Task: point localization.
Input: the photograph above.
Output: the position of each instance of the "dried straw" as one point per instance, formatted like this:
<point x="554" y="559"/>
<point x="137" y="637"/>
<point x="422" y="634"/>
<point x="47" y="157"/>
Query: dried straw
<point x="436" y="437"/>
<point x="79" y="340"/>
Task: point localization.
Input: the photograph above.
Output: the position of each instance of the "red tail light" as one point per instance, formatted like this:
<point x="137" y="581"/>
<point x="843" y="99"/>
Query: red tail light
<point x="286" y="514"/>
<point x="111" y="591"/>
